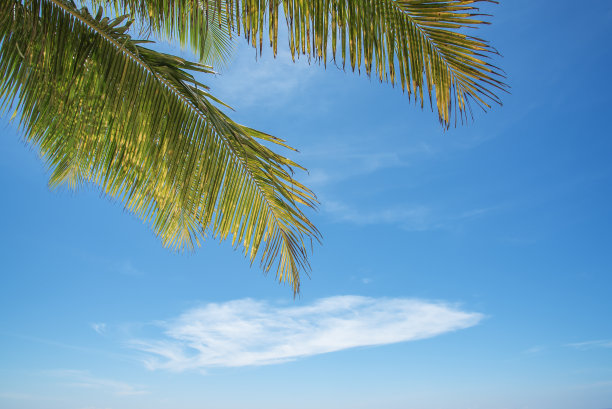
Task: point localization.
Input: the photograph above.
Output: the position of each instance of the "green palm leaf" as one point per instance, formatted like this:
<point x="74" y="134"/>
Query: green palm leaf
<point x="419" y="44"/>
<point x="102" y="108"/>
<point x="203" y="25"/>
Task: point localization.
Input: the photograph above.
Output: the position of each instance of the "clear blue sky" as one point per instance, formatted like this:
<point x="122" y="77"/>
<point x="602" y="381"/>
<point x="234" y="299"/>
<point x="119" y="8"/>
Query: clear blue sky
<point x="466" y="269"/>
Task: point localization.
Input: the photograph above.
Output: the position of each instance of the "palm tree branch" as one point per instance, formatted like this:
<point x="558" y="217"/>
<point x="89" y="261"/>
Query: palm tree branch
<point x="170" y="155"/>
<point x="418" y="41"/>
<point x="418" y="44"/>
<point x="204" y="27"/>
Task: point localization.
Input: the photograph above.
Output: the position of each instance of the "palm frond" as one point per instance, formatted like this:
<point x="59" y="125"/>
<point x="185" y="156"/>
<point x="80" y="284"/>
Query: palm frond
<point x="420" y="44"/>
<point x="203" y="25"/>
<point x="417" y="43"/>
<point x="101" y="108"/>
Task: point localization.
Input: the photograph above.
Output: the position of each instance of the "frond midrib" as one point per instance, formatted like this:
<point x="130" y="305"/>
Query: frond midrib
<point x="434" y="45"/>
<point x="285" y="231"/>
<point x="131" y="55"/>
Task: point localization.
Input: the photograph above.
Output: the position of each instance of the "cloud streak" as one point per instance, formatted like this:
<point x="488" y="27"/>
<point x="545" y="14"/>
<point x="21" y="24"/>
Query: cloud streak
<point x="417" y="218"/>
<point x="331" y="163"/>
<point x="82" y="379"/>
<point x="249" y="332"/>
<point x="271" y="82"/>
<point x="408" y="217"/>
<point x="99" y="327"/>
<point x="604" y="343"/>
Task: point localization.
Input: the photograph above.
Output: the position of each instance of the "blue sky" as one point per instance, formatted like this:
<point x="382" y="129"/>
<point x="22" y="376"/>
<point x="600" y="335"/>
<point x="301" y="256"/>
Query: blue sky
<point x="468" y="269"/>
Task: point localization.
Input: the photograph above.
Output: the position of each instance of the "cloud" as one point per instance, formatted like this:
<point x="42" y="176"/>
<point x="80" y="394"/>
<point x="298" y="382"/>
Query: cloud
<point x="360" y="165"/>
<point x="99" y="327"/>
<point x="333" y="163"/>
<point x="409" y="217"/>
<point x="605" y="343"/>
<point x="249" y="332"/>
<point x="535" y="349"/>
<point x="271" y="82"/>
<point x="82" y="379"/>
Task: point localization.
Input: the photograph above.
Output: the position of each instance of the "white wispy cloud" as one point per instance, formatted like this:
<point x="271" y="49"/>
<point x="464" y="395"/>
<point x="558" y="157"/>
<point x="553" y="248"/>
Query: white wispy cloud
<point x="333" y="163"/>
<point x="82" y="379"/>
<point x="249" y="332"/>
<point x="99" y="327"/>
<point x="360" y="166"/>
<point x="535" y="350"/>
<point x="602" y="343"/>
<point x="408" y="217"/>
<point x="271" y="82"/>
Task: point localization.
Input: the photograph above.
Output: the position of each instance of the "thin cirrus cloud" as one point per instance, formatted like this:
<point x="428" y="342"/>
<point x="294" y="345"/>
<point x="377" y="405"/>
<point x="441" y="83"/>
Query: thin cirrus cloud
<point x="602" y="343"/>
<point x="407" y="217"/>
<point x="413" y="218"/>
<point x="249" y="333"/>
<point x="270" y="82"/>
<point x="82" y="379"/>
<point x="99" y="327"/>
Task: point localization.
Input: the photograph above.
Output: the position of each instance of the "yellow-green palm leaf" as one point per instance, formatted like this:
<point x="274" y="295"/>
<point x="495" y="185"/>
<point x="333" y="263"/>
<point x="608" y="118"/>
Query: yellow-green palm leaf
<point x="102" y="108"/>
<point x="419" y="44"/>
<point x="203" y="25"/>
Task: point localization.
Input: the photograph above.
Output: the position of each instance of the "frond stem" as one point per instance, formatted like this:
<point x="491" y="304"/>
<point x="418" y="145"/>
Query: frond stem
<point x="185" y="100"/>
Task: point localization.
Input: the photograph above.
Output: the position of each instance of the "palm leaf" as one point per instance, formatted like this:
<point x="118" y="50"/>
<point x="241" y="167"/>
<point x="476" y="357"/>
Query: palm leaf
<point x="419" y="44"/>
<point x="203" y="25"/>
<point x="103" y="109"/>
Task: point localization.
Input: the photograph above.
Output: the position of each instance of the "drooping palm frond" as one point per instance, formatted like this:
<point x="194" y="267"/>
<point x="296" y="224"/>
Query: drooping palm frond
<point x="417" y="43"/>
<point x="102" y="108"/>
<point x="203" y="25"/>
<point x="420" y="44"/>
